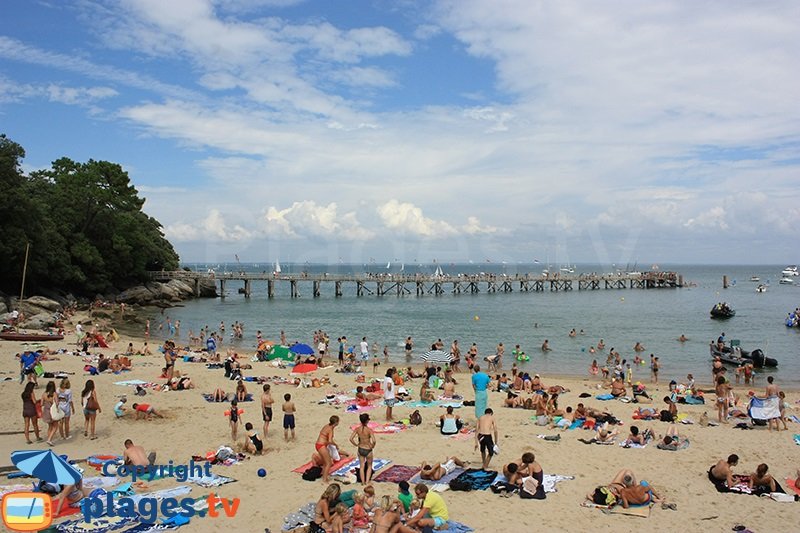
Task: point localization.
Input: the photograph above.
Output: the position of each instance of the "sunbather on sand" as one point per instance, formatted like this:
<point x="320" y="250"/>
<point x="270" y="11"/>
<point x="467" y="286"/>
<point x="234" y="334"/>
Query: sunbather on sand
<point x="437" y="471"/>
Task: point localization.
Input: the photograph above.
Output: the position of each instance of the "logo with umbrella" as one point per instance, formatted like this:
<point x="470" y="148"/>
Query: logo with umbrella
<point x="33" y="511"/>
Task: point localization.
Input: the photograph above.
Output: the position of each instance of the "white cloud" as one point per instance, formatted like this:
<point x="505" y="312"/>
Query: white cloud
<point x="78" y="95"/>
<point x="474" y="227"/>
<point x="408" y="218"/>
<point x="307" y="219"/>
<point x="212" y="228"/>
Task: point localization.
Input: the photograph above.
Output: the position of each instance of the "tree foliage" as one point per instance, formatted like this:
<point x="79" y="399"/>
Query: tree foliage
<point x="84" y="222"/>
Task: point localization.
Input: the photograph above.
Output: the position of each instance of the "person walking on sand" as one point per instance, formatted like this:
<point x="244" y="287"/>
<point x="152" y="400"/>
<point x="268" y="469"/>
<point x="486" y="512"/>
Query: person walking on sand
<point x="389" y="395"/>
<point x="29" y="411"/>
<point x="266" y="408"/>
<point x="722" y="390"/>
<point x="91" y="406"/>
<point x="773" y="392"/>
<point x="480" y="383"/>
<point x="485" y="430"/>
<point x="363" y="438"/>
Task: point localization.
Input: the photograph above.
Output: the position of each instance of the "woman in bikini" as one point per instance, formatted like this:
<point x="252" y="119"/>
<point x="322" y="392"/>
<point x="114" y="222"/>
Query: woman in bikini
<point x="363" y="438"/>
<point x="323" y="511"/>
<point x="722" y="389"/>
<point x="326" y="438"/>
<point x="386" y="516"/>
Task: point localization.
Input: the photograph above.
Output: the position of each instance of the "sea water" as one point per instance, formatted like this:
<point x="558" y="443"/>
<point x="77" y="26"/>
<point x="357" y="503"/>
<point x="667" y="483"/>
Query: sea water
<point x="654" y="317"/>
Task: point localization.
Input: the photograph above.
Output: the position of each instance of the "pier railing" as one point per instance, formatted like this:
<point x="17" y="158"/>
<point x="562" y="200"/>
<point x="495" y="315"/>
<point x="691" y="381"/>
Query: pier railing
<point x="382" y="284"/>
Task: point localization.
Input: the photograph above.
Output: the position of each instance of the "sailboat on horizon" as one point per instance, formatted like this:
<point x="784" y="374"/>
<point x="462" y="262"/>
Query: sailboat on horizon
<point x="277" y="267"/>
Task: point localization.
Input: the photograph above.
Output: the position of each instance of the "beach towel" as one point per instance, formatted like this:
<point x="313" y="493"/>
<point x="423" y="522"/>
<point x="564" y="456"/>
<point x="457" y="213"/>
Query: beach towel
<point x="101" y="524"/>
<point x="473" y="479"/>
<point x="396" y="474"/>
<point x="174" y="492"/>
<point x="341" y="462"/>
<point x="632" y="510"/>
<point x="464" y="434"/>
<point x="446" y="479"/>
<point x="301" y="517"/>
<point x="210" y="481"/>
<point x="604" y="397"/>
<point x="154" y="528"/>
<point x="741" y="485"/>
<point x="209" y="397"/>
<point x="7" y="489"/>
<point x="797" y="439"/>
<point x="435" y="403"/>
<point x="455" y="527"/>
<point x="382" y="428"/>
<point x="764" y="408"/>
<point x="481" y="401"/>
<point x="130" y="382"/>
<point x="345" y="469"/>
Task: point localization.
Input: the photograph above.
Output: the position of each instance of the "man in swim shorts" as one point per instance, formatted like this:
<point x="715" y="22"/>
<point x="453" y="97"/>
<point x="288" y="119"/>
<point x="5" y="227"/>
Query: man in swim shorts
<point x="486" y="428"/>
<point x="437" y="471"/>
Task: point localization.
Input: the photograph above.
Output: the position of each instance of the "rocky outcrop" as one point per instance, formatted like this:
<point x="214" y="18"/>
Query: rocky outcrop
<point x="41" y="302"/>
<point x="40" y="321"/>
<point x="174" y="291"/>
<point x="3" y="308"/>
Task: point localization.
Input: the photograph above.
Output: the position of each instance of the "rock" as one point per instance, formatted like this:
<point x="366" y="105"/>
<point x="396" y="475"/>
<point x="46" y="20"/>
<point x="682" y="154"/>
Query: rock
<point x="208" y="288"/>
<point x="139" y="295"/>
<point x="44" y="303"/>
<point x="185" y="290"/>
<point x="40" y="321"/>
<point x="3" y="308"/>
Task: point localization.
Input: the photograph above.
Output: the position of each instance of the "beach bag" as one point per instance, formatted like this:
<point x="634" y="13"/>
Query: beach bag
<point x="38" y="408"/>
<point x="91" y="403"/>
<point x="38" y="369"/>
<point x="313" y="473"/>
<point x="416" y="418"/>
<point x="781" y="497"/>
<point x="603" y="496"/>
<point x="48" y="488"/>
<point x="56" y="414"/>
<point x="529" y="488"/>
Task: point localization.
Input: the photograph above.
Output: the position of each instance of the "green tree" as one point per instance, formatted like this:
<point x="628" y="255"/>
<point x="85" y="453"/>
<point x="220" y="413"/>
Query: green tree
<point x="85" y="224"/>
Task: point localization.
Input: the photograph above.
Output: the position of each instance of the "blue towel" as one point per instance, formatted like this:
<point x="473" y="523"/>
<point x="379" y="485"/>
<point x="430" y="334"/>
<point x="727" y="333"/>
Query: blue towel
<point x="604" y="397"/>
<point x="796" y="440"/>
<point x="457" y="527"/>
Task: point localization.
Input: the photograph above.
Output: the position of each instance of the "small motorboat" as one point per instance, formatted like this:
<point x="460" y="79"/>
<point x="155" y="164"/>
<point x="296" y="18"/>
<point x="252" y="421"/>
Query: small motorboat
<point x="786" y="280"/>
<point x="722" y="310"/>
<point x="793" y="320"/>
<point x="761" y="288"/>
<point x="755" y="279"/>
<point x="790" y="270"/>
<point x="737" y="356"/>
<point x="28" y="337"/>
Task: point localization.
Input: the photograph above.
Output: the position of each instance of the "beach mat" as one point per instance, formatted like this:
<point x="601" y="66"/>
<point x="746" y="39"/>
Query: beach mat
<point x="455" y="527"/>
<point x="338" y="464"/>
<point x="633" y="510"/>
<point x="790" y="483"/>
<point x="444" y="481"/>
<point x="435" y="403"/>
<point x="209" y="397"/>
<point x="396" y="474"/>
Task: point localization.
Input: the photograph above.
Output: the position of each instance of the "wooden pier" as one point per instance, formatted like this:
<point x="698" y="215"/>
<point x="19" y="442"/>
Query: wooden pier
<point x="422" y="284"/>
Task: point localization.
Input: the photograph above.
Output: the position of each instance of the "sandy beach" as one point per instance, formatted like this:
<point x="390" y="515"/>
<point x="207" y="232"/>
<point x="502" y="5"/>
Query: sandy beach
<point x="194" y="427"/>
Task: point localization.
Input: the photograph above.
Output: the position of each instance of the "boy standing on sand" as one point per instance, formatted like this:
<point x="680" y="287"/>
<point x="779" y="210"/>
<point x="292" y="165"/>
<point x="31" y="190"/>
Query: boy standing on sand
<point x="389" y="397"/>
<point x="486" y="428"/>
<point x="288" y="416"/>
<point x="266" y="408"/>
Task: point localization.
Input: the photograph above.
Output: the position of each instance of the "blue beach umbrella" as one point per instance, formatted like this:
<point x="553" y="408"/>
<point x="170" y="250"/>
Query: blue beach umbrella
<point x="46" y="465"/>
<point x="302" y="349"/>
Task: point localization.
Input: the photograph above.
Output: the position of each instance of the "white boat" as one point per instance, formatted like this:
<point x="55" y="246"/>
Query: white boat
<point x="277" y="267"/>
<point x="790" y="270"/>
<point x="755" y="279"/>
<point x="761" y="288"/>
<point x="786" y="280"/>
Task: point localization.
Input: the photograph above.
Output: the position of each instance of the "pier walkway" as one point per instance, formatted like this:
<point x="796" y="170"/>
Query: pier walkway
<point x="422" y="284"/>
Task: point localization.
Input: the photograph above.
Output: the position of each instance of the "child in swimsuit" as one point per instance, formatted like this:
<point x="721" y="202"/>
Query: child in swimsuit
<point x="253" y="442"/>
<point x="288" y="418"/>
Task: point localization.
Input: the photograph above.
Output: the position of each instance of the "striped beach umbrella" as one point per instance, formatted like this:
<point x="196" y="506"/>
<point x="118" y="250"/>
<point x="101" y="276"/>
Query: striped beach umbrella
<point x="46" y="465"/>
<point x="437" y="356"/>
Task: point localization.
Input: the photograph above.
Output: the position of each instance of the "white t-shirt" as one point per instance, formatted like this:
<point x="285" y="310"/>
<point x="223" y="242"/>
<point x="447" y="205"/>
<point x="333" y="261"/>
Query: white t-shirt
<point x="364" y="348"/>
<point x="388" y="389"/>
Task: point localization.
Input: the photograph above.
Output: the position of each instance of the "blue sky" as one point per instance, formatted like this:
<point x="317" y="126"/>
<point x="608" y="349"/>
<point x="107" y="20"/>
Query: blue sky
<point x="452" y="130"/>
